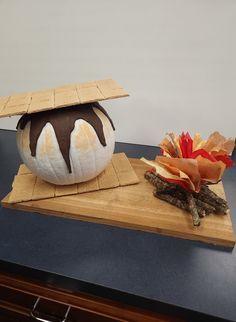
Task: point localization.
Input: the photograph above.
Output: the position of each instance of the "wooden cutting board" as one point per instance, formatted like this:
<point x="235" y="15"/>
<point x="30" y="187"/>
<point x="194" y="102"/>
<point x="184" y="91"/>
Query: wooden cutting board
<point x="135" y="207"/>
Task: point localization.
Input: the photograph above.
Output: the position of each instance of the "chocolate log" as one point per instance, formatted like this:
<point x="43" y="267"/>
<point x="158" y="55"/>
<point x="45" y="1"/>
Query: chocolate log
<point x="199" y="204"/>
<point x="208" y="196"/>
<point x="193" y="209"/>
<point x="158" y="182"/>
<point x="173" y="200"/>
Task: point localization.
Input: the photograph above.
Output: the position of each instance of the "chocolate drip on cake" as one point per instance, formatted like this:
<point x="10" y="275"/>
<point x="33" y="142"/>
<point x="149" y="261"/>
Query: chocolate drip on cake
<point x="63" y="122"/>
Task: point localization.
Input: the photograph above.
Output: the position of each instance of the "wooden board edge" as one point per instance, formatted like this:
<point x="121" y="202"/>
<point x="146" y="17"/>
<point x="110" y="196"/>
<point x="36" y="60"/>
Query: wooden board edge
<point x="229" y="243"/>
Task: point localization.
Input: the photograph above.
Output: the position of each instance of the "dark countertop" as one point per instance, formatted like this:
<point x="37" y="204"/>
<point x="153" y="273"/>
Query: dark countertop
<point x="144" y="269"/>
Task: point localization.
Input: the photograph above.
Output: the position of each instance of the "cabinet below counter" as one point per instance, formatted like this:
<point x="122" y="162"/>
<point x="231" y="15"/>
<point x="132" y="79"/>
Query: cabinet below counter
<point x="25" y="300"/>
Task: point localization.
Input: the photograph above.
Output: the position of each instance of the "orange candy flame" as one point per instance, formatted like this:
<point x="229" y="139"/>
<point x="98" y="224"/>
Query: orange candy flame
<point x="191" y="162"/>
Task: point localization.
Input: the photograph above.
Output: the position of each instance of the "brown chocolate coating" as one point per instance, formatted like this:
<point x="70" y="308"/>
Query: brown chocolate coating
<point x="63" y="123"/>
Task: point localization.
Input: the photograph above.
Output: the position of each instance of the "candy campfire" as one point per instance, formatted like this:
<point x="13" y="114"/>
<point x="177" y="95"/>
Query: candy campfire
<point x="181" y="176"/>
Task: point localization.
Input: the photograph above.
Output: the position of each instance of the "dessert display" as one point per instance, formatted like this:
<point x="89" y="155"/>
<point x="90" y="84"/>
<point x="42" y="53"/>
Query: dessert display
<point x="66" y="140"/>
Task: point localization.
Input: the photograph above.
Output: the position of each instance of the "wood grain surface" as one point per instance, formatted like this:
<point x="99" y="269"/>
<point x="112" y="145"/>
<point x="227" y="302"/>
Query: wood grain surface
<point x="135" y="207"/>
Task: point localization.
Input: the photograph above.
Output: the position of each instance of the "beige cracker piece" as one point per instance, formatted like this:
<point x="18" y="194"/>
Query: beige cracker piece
<point x="66" y="190"/>
<point x="66" y="95"/>
<point x="16" y="104"/>
<point x="82" y="187"/>
<point x="41" y="101"/>
<point x="23" y="187"/>
<point x="43" y="189"/>
<point x="123" y="168"/>
<point x="108" y="179"/>
<point x="28" y="187"/>
<point x="91" y="185"/>
<point x="3" y="102"/>
<point x="90" y="94"/>
<point x="23" y="169"/>
<point x="62" y="96"/>
<point x="109" y="88"/>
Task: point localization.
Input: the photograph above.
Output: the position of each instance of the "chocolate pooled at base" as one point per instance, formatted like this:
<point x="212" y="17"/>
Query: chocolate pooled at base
<point x="63" y="122"/>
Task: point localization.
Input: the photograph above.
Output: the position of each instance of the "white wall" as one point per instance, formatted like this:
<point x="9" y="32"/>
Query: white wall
<point x="175" y="57"/>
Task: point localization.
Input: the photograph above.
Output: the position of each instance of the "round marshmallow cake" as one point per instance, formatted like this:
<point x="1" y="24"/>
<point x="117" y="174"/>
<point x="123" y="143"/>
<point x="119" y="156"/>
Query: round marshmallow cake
<point x="67" y="145"/>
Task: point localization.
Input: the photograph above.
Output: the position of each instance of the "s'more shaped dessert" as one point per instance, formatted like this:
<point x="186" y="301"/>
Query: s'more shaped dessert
<point x="64" y="135"/>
